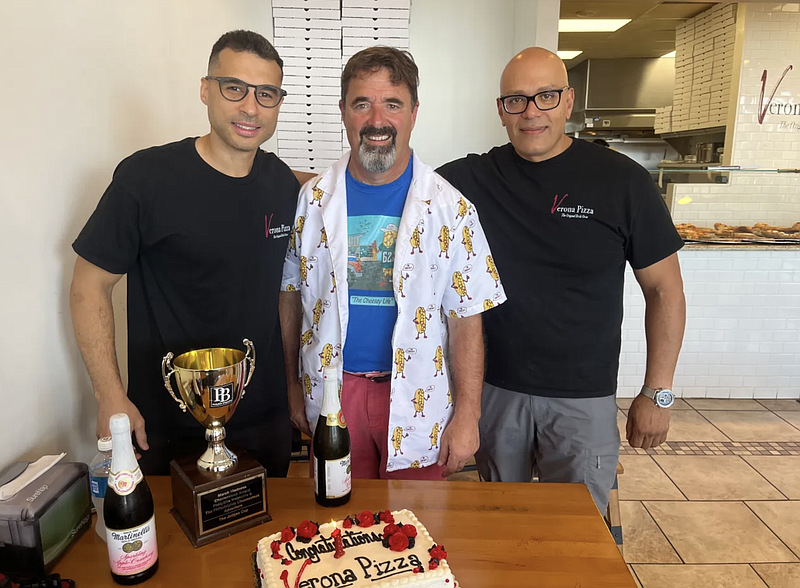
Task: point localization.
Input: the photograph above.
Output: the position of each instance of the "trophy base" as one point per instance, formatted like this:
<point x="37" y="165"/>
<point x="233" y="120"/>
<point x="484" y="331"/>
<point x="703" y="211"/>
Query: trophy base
<point x="210" y="507"/>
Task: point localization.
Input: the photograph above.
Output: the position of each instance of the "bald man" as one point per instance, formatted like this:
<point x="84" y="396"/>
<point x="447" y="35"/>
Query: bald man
<point x="563" y="217"/>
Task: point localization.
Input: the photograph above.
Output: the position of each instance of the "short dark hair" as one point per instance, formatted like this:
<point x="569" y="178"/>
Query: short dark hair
<point x="245" y="41"/>
<point x="400" y="65"/>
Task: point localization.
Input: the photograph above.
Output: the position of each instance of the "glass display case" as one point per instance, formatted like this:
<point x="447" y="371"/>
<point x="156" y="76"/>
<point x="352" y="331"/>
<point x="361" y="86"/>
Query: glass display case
<point x="717" y="204"/>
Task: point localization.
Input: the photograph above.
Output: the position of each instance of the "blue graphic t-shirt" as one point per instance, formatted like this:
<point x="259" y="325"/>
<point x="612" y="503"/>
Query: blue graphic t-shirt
<point x="373" y="216"/>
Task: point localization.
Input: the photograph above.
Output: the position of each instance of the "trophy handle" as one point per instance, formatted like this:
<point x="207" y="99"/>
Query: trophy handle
<point x="167" y="363"/>
<point x="250" y="357"/>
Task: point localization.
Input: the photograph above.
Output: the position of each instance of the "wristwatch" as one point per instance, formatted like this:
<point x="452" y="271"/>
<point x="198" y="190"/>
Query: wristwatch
<point x="662" y="397"/>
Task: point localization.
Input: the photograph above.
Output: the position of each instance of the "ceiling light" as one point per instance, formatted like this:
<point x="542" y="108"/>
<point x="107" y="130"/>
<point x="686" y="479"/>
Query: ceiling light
<point x="670" y="54"/>
<point x="591" y="25"/>
<point x="569" y="54"/>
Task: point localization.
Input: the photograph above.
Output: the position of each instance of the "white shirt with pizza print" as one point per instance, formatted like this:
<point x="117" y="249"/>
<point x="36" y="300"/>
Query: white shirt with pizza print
<point x="442" y="267"/>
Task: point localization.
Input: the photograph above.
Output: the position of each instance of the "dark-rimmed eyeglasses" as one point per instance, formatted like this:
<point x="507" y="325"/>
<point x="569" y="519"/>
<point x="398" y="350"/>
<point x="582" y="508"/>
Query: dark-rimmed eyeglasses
<point x="518" y="103"/>
<point x="236" y="90"/>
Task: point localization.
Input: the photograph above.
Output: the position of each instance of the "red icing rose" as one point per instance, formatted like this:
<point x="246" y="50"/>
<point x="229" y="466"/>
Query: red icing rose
<point x="347" y="523"/>
<point x="307" y="530"/>
<point x="433" y="564"/>
<point x="287" y="535"/>
<point x="386" y="517"/>
<point x="275" y="546"/>
<point x="409" y="531"/>
<point x="398" y="542"/>
<point x="390" y="530"/>
<point x="438" y="552"/>
<point x="365" y="519"/>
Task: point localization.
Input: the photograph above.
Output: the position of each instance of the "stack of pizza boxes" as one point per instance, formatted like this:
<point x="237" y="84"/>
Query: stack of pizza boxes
<point x="373" y="22"/>
<point x="308" y="36"/>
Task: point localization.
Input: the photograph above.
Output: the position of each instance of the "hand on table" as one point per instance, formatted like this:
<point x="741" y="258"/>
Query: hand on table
<point x="119" y="404"/>
<point x="459" y="443"/>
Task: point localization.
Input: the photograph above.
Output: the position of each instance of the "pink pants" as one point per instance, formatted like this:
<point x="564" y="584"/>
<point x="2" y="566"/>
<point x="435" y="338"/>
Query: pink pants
<point x="366" y="409"/>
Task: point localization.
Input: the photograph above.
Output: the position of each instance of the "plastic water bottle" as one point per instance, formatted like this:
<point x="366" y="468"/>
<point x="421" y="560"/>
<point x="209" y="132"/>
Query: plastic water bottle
<point x="98" y="478"/>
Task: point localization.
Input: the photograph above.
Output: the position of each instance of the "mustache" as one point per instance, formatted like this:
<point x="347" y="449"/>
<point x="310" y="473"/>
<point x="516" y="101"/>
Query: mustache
<point x="370" y="130"/>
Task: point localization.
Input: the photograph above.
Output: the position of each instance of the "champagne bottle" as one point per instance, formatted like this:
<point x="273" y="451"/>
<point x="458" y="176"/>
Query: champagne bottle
<point x="128" y="509"/>
<point x="332" y="484"/>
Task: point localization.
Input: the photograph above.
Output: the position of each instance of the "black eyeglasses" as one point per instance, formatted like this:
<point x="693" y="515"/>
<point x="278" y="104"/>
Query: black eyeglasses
<point x="518" y="103"/>
<point x="236" y="90"/>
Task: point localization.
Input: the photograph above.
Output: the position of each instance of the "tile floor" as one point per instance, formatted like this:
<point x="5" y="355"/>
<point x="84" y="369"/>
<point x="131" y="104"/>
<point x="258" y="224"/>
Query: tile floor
<point x="718" y="506"/>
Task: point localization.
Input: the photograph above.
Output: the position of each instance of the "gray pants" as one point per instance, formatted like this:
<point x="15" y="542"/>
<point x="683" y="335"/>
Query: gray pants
<point x="560" y="439"/>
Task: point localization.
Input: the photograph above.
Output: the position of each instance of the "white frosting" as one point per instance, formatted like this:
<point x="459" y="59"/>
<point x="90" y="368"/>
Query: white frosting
<point x="374" y="560"/>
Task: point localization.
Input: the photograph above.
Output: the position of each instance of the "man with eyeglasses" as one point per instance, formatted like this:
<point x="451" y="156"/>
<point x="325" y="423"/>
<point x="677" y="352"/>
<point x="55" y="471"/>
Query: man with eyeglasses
<point x="563" y="217"/>
<point x="201" y="228"/>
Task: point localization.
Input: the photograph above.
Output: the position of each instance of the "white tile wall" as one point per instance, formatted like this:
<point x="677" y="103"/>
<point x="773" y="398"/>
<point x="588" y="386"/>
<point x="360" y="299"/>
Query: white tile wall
<point x="751" y="198"/>
<point x="742" y="326"/>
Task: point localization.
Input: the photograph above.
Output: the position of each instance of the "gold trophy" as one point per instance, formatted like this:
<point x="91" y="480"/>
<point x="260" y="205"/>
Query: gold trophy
<point x="220" y="493"/>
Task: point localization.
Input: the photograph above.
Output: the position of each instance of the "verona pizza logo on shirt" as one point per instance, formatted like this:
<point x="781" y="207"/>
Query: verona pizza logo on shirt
<point x="570" y="210"/>
<point x="278" y="232"/>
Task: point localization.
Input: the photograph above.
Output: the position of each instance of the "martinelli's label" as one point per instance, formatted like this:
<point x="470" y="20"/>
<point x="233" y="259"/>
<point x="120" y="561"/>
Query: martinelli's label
<point x="337" y="476"/>
<point x="132" y="551"/>
<point x="336" y="420"/>
<point x="125" y="482"/>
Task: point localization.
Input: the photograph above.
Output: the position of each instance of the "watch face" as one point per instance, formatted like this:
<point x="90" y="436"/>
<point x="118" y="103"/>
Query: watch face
<point x="664" y="398"/>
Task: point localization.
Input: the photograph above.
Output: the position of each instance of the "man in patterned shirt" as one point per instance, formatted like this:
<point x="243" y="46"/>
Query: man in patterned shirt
<point x="379" y="302"/>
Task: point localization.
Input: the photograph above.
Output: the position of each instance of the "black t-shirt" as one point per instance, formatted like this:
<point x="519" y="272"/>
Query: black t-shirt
<point x="561" y="231"/>
<point x="204" y="254"/>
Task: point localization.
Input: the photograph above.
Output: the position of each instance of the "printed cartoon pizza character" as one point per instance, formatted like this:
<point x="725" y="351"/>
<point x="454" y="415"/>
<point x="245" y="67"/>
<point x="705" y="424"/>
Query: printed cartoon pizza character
<point x="290" y="288"/>
<point x="318" y="310"/>
<point x="449" y="398"/>
<point x="415" y="465"/>
<point x="421" y="318"/>
<point x="293" y="243"/>
<point x="460" y="285"/>
<point x="444" y="241"/>
<point x="333" y="277"/>
<point x="415" y="240"/>
<point x="308" y="386"/>
<point x="306" y="338"/>
<point x="326" y="356"/>
<point x="463" y="208"/>
<point x="400" y="283"/>
<point x="323" y="238"/>
<point x="298" y="226"/>
<point x="397" y="439"/>
<point x="387" y="252"/>
<point x="491" y="269"/>
<point x="304" y="267"/>
<point x="428" y="202"/>
<point x="488" y="304"/>
<point x="400" y="360"/>
<point x="452" y="314"/>
<point x="419" y="402"/>
<point x="438" y="361"/>
<point x="316" y="196"/>
<point x="467" y="241"/>
<point x="434" y="436"/>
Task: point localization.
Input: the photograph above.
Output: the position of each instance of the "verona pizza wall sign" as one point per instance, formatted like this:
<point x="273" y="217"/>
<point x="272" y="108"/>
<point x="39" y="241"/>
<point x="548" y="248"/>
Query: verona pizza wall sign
<point x="767" y="128"/>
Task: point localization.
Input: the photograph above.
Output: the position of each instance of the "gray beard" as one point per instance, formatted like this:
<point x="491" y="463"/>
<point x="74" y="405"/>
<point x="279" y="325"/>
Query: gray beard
<point x="377" y="160"/>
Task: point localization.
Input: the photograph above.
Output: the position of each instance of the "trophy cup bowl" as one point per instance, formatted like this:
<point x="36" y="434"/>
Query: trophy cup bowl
<point x="211" y="382"/>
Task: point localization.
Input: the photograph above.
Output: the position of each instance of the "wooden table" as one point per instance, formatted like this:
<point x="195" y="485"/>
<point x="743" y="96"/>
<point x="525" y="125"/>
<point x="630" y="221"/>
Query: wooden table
<point x="497" y="535"/>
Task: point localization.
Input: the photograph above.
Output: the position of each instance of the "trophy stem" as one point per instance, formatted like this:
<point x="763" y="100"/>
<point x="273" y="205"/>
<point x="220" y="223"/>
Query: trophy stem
<point x="217" y="458"/>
